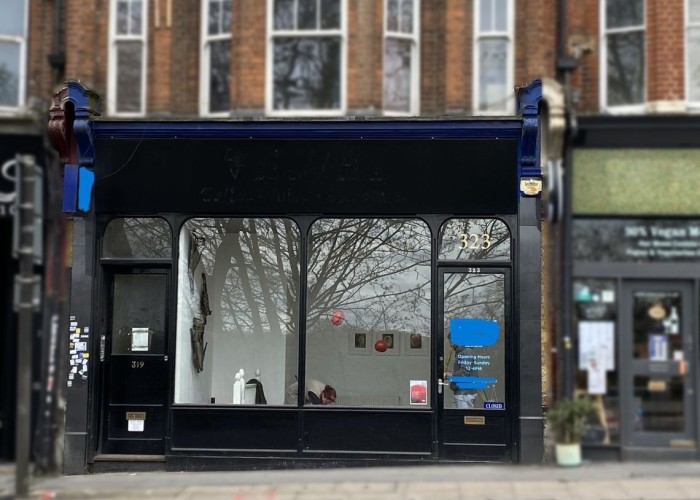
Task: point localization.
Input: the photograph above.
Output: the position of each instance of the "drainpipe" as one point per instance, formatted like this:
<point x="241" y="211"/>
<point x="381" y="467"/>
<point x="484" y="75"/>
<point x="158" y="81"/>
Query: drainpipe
<point x="566" y="64"/>
<point x="57" y="58"/>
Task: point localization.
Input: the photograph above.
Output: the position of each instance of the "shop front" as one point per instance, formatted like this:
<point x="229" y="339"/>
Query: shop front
<point x="303" y="294"/>
<point x="635" y="250"/>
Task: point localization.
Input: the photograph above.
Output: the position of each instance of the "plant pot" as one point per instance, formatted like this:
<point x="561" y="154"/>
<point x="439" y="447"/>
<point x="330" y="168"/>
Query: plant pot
<point x="568" y="455"/>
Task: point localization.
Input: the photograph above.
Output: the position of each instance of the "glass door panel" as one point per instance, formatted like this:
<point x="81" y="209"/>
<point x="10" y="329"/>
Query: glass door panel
<point x="657" y="329"/>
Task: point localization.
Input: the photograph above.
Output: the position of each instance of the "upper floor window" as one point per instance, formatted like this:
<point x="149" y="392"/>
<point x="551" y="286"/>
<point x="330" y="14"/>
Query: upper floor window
<point x="401" y="56"/>
<point x="215" y="74"/>
<point x="306" y="57"/>
<point x="493" y="57"/>
<point x="623" y="53"/>
<point x="127" y="58"/>
<point x="692" y="51"/>
<point x="13" y="42"/>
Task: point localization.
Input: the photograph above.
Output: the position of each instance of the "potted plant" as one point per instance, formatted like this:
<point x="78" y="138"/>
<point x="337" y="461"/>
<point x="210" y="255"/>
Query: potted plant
<point x="567" y="418"/>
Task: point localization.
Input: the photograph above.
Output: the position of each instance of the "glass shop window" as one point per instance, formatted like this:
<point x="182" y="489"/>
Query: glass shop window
<point x="237" y="311"/>
<point x="474" y="239"/>
<point x="368" y="312"/>
<point x="137" y="238"/>
<point x="595" y="326"/>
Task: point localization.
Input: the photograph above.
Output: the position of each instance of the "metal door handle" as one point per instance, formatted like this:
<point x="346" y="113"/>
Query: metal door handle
<point x="440" y="384"/>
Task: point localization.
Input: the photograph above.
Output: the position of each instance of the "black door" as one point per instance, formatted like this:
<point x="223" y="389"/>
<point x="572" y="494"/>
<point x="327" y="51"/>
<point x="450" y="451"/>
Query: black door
<point x="135" y="362"/>
<point x="472" y="373"/>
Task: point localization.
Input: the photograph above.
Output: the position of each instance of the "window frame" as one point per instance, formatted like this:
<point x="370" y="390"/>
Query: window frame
<point x="415" y="38"/>
<point x="114" y="40"/>
<point x="691" y="104"/>
<point x="23" y="61"/>
<point x="272" y="33"/>
<point x="603" y="61"/>
<point x="204" y="62"/>
<point x="477" y="37"/>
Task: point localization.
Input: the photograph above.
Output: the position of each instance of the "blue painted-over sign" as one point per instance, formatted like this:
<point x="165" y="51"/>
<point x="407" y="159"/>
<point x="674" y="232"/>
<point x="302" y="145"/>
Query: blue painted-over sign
<point x="471" y="332"/>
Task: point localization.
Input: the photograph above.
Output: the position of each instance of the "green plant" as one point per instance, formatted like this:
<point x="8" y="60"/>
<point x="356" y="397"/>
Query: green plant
<point x="568" y="416"/>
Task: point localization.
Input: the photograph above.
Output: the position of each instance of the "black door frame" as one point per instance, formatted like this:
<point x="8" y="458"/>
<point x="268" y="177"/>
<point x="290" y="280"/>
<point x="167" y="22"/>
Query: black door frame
<point x="630" y="366"/>
<point x="103" y="341"/>
<point x="483" y="450"/>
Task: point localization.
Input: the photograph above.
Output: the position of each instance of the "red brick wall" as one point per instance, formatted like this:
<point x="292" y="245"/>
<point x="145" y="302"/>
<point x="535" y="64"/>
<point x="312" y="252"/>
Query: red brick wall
<point x="432" y="79"/>
<point x="665" y="54"/>
<point x="535" y="40"/>
<point x="160" y="56"/>
<point x="184" y="66"/>
<point x="40" y="43"/>
<point x="458" y="55"/>
<point x="248" y="65"/>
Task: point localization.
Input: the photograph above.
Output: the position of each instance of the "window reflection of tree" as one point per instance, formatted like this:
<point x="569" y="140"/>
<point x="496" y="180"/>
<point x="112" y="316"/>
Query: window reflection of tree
<point x="9" y="86"/>
<point x="625" y="68"/>
<point x="397" y="75"/>
<point x="376" y="270"/>
<point x="307" y="73"/>
<point x="625" y="52"/>
<point x="260" y="261"/>
<point x="144" y="238"/>
<point x="306" y="68"/>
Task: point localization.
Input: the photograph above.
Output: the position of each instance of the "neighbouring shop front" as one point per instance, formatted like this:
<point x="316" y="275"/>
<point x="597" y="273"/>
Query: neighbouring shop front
<point x="225" y="273"/>
<point x="635" y="253"/>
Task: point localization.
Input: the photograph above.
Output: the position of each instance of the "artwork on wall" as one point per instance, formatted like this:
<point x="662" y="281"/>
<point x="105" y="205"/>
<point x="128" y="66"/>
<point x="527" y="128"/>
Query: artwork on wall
<point x="416" y="344"/>
<point x="199" y="322"/>
<point x="391" y="341"/>
<point x="359" y="343"/>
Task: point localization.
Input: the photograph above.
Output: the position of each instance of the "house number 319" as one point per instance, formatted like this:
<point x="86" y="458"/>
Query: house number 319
<point x="475" y="241"/>
<point x="137" y="364"/>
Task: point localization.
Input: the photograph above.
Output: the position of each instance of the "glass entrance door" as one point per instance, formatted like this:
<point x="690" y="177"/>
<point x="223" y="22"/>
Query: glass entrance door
<point x="658" y="394"/>
<point x="472" y="378"/>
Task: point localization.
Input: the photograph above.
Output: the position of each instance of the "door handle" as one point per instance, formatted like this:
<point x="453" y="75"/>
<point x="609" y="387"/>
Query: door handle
<point x="440" y="384"/>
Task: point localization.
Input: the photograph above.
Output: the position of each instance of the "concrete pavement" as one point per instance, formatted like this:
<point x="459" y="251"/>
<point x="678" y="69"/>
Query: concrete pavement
<point x="592" y="481"/>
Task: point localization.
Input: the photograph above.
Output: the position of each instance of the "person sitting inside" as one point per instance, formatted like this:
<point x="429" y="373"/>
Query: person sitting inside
<point x="317" y="393"/>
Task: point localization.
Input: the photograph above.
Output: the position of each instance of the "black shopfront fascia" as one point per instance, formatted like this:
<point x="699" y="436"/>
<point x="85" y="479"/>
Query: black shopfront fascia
<point x="434" y="170"/>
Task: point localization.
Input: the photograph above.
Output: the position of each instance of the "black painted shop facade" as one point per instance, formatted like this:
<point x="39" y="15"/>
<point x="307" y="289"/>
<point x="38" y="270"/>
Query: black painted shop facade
<point x="222" y="265"/>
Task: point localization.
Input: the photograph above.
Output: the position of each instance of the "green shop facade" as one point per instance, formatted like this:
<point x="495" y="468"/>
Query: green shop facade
<point x="220" y="266"/>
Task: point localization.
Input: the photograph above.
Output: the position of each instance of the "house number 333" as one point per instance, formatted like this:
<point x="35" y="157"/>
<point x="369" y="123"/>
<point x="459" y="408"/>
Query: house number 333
<point x="475" y="241"/>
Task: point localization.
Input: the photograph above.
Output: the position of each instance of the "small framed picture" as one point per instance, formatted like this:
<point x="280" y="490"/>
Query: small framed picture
<point x="358" y="343"/>
<point x="387" y="344"/>
<point x="416" y="344"/>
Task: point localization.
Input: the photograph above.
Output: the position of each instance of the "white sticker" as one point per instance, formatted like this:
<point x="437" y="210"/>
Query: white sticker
<point x="73" y="323"/>
<point x="70" y="383"/>
<point x="71" y="376"/>
<point x="608" y="296"/>
<point x="136" y="425"/>
<point x="86" y="329"/>
<point x="81" y="346"/>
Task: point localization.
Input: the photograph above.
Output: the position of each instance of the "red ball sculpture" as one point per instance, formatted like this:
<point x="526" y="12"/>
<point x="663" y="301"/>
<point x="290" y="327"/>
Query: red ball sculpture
<point x="380" y="346"/>
<point x="337" y="318"/>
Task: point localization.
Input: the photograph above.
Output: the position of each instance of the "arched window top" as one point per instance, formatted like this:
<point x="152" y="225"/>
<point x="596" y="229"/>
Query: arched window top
<point x="137" y="238"/>
<point x="474" y="239"/>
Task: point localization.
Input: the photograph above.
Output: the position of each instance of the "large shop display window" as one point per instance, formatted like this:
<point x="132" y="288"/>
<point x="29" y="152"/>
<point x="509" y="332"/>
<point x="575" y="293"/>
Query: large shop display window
<point x="597" y="375"/>
<point x="368" y="310"/>
<point x="237" y="321"/>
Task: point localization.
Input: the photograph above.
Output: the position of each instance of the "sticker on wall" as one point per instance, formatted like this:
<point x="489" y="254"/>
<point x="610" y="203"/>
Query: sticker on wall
<point x="418" y="392"/>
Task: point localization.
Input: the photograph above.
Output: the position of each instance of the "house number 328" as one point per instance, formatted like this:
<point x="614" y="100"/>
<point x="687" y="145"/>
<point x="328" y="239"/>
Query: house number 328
<point x="137" y="364"/>
<point x="474" y="241"/>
